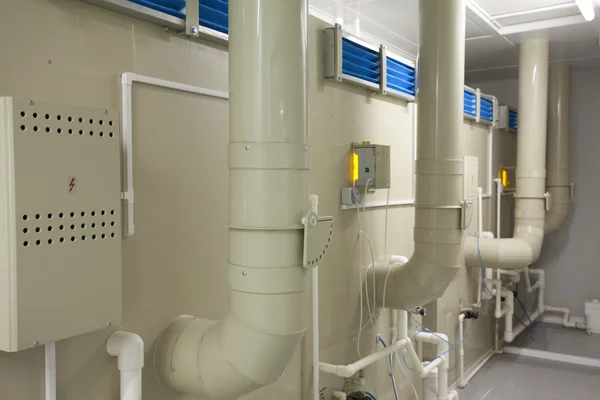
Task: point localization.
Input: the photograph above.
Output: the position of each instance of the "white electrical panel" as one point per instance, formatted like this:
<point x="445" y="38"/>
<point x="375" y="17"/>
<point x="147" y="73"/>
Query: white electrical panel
<point x="60" y="222"/>
<point x="373" y="165"/>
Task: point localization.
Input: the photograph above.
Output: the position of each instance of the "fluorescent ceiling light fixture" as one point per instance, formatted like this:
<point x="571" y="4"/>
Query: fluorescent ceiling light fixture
<point x="587" y="9"/>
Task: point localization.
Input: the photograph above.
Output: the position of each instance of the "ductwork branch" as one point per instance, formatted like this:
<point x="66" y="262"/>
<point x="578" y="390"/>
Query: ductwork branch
<point x="268" y="192"/>
<point x="439" y="169"/>
<point x="558" y="181"/>
<point x="530" y="200"/>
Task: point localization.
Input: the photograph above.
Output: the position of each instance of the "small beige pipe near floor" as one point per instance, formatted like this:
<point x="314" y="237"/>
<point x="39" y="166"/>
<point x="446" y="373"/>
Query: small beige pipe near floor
<point x="531" y="199"/>
<point x="268" y="178"/>
<point x="558" y="180"/>
<point x="439" y="168"/>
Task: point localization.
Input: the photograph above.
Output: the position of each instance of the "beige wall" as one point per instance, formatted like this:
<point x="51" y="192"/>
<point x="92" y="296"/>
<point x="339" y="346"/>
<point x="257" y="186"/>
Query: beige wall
<point x="175" y="262"/>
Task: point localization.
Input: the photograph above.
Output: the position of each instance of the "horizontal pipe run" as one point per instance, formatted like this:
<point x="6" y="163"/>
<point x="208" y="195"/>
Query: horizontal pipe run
<point x="346" y="371"/>
<point x="521" y="327"/>
<point x="566" y="319"/>
<point x="431" y="366"/>
<point x="127" y="80"/>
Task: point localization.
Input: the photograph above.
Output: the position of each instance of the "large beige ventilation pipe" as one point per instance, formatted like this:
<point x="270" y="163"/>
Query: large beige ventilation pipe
<point x="558" y="181"/>
<point x="268" y="162"/>
<point x="439" y="168"/>
<point x="524" y="247"/>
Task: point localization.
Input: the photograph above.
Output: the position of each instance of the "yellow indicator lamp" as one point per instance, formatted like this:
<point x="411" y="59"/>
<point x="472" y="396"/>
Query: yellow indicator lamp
<point x="503" y="176"/>
<point x="353" y="167"/>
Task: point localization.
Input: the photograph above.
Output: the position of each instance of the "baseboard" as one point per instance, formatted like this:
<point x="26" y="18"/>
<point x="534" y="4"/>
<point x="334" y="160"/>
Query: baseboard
<point x="472" y="371"/>
<point x="548" y="355"/>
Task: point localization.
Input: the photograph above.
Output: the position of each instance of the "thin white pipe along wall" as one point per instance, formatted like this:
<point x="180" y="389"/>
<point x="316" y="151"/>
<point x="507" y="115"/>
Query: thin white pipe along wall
<point x="439" y="168"/>
<point x="268" y="162"/>
<point x="530" y="200"/>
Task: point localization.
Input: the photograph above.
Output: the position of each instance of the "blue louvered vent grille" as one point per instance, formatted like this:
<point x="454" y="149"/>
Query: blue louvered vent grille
<point x="360" y="62"/>
<point x="470" y="103"/>
<point x="214" y="14"/>
<point x="513" y="119"/>
<point x="486" y="110"/>
<point x="400" y="77"/>
<point x="171" y="7"/>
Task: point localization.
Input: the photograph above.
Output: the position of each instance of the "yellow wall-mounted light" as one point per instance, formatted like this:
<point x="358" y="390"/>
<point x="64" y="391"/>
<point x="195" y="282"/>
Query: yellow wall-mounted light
<point x="503" y="176"/>
<point x="353" y="167"/>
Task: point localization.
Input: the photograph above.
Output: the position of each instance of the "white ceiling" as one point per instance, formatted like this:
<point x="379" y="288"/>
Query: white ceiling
<point x="493" y="30"/>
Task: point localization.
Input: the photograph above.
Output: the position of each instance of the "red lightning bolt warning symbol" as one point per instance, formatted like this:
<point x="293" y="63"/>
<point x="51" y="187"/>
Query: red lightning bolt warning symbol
<point x="71" y="184"/>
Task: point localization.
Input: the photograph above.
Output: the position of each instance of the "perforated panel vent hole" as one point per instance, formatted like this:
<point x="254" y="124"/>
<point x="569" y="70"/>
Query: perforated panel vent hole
<point x="67" y="127"/>
<point x="82" y="222"/>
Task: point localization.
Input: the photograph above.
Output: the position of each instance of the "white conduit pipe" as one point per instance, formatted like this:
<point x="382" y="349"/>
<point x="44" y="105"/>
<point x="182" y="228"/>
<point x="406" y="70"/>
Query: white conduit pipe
<point x="129" y="348"/>
<point x="521" y="327"/>
<point x="50" y="370"/>
<point x="268" y="177"/>
<point x="461" y="351"/>
<point x="509" y="306"/>
<point x="566" y="319"/>
<point x="559" y="147"/>
<point x="127" y="80"/>
<point x="525" y="246"/>
<point x="438" y="232"/>
<point x="346" y="371"/>
<point x="541" y="286"/>
<point x="441" y="363"/>
<point x="499" y="190"/>
<point x="315" y="332"/>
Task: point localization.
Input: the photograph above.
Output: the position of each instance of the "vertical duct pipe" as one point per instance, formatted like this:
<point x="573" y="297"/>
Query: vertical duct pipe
<point x="525" y="246"/>
<point x="269" y="166"/>
<point x="558" y="181"/>
<point x="439" y="167"/>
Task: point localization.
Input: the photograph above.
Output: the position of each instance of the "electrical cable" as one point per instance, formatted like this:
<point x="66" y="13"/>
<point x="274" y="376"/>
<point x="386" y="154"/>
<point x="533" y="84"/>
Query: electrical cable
<point x="391" y="368"/>
<point x="409" y="379"/>
<point x="530" y="328"/>
<point x="370" y="395"/>
<point x="362" y="234"/>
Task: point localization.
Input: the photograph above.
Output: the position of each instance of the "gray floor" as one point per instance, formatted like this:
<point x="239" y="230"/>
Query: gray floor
<point x="511" y="377"/>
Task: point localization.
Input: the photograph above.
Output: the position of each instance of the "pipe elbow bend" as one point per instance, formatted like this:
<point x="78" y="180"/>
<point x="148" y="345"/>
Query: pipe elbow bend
<point x="556" y="218"/>
<point x="129" y="348"/>
<point x="415" y="283"/>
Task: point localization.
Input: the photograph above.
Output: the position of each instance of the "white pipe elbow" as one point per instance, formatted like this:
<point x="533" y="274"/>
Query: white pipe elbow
<point x="129" y="348"/>
<point x="339" y="395"/>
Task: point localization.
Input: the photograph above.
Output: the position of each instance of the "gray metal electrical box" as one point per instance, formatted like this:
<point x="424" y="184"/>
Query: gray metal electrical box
<point x="373" y="165"/>
<point x="60" y="222"/>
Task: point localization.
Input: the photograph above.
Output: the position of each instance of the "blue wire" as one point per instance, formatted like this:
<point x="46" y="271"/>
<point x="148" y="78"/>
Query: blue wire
<point x="370" y="395"/>
<point x="390" y="360"/>
<point x="425" y="329"/>
<point x="405" y="363"/>
<point x="525" y="311"/>
<point x="529" y="328"/>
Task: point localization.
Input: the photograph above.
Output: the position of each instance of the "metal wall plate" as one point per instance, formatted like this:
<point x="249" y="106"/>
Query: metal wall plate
<point x="60" y="222"/>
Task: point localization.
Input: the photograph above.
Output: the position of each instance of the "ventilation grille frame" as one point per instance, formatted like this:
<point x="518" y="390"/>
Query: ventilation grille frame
<point x="351" y="60"/>
<point x="171" y="18"/>
<point x="513" y="120"/>
<point x="470" y="103"/>
<point x="400" y="77"/>
<point x="509" y="118"/>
